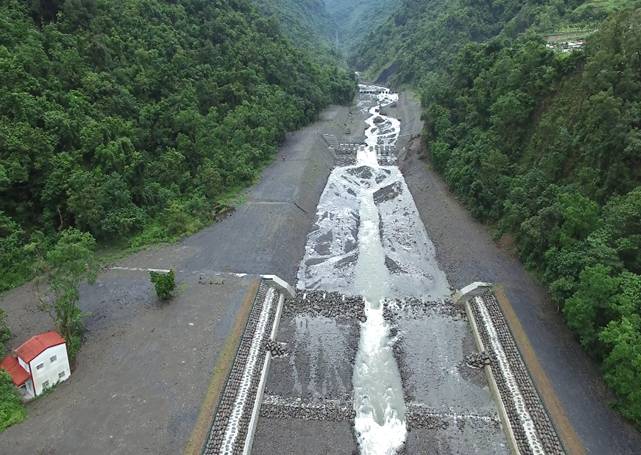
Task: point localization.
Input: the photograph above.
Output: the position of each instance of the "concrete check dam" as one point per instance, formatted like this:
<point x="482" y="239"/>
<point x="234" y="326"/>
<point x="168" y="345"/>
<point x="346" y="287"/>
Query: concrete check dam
<point x="370" y="354"/>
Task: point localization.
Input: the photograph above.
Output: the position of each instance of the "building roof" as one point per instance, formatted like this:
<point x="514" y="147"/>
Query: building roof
<point x="34" y="346"/>
<point x="18" y="374"/>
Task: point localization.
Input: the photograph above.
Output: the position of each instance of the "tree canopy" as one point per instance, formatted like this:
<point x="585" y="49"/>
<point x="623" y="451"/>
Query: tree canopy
<point x="544" y="145"/>
<point x="129" y="119"/>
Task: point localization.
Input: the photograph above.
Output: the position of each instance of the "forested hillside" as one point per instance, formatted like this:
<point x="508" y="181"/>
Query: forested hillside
<point x="355" y="19"/>
<point x="422" y="36"/>
<point x="130" y="119"/>
<point x="306" y="22"/>
<point x="328" y="26"/>
<point x="544" y="145"/>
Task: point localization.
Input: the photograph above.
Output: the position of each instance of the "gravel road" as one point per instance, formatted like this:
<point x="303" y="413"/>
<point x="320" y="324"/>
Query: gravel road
<point x="142" y="373"/>
<point x="267" y="233"/>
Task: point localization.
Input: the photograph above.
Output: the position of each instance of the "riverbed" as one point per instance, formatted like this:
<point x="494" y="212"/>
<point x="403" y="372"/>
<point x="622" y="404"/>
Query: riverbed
<point x="369" y="240"/>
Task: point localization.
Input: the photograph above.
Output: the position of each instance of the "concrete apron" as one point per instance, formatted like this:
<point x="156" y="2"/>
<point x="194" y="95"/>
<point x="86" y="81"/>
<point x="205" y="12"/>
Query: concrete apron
<point x="315" y="387"/>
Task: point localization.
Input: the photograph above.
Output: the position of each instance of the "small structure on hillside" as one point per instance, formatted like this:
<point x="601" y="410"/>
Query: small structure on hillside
<point x="566" y="46"/>
<point x="38" y="364"/>
<point x="567" y="42"/>
<point x="372" y="89"/>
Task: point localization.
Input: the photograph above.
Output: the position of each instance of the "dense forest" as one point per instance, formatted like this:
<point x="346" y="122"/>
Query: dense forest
<point x="544" y="145"/>
<point x="422" y="36"/>
<point x="306" y="22"/>
<point x="328" y="26"/>
<point x="130" y="120"/>
<point x="355" y="19"/>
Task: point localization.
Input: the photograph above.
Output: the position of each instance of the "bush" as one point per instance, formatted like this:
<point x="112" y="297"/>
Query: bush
<point x="165" y="283"/>
<point x="5" y="332"/>
<point x="11" y="408"/>
<point x="15" y="261"/>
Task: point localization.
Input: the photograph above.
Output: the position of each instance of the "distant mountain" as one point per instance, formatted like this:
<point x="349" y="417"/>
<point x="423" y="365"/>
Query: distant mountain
<point x="422" y="35"/>
<point x="354" y="19"/>
<point x="333" y="26"/>
<point x="306" y="22"/>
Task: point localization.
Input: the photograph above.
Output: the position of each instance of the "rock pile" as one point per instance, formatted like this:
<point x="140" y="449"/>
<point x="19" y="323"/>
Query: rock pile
<point x="479" y="359"/>
<point x="345" y="154"/>
<point x="430" y="422"/>
<point x="296" y="408"/>
<point x="276" y="349"/>
<point x="328" y="304"/>
<point x="420" y="416"/>
<point x="411" y="307"/>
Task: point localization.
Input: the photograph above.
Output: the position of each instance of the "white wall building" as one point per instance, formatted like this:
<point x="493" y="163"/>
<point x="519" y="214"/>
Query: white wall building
<point x="38" y="364"/>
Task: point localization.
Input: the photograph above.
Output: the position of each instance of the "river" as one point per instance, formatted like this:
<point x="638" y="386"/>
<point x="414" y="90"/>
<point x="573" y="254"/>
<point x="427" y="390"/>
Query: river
<point x="369" y="241"/>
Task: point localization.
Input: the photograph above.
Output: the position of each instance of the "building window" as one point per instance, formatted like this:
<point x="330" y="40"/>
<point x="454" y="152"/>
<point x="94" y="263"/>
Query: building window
<point x="45" y="385"/>
<point x="39" y="366"/>
<point x="61" y="375"/>
<point x="53" y="358"/>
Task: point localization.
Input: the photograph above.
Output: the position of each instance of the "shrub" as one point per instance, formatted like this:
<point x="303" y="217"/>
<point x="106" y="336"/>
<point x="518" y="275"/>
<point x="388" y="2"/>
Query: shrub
<point x="5" y="332"/>
<point x="11" y="408"/>
<point x="165" y="283"/>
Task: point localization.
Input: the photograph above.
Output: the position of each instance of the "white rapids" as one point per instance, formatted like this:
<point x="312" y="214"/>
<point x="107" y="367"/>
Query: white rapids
<point x="378" y="393"/>
<point x="369" y="240"/>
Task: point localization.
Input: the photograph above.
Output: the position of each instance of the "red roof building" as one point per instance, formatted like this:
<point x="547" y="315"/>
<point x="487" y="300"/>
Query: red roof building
<point x="34" y="346"/>
<point x="18" y="374"/>
<point x="38" y="363"/>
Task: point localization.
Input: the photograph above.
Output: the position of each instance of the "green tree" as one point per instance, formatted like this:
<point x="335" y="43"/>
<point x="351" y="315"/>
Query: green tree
<point x="622" y="365"/>
<point x="14" y="260"/>
<point x="545" y="144"/>
<point x="63" y="268"/>
<point x="587" y="309"/>
<point x="623" y="227"/>
<point x="117" y="115"/>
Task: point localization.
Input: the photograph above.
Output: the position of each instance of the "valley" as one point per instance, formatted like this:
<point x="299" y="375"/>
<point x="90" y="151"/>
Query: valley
<point x="321" y="226"/>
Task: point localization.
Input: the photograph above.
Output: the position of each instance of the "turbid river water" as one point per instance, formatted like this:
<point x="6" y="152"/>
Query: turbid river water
<point x="369" y="240"/>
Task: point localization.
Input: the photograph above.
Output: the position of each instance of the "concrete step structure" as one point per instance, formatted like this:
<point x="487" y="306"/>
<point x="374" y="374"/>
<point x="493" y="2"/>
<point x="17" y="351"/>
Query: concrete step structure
<point x="523" y="414"/>
<point x="233" y="424"/>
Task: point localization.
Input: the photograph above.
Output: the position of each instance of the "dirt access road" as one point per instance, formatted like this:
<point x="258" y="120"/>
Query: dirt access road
<point x="146" y="367"/>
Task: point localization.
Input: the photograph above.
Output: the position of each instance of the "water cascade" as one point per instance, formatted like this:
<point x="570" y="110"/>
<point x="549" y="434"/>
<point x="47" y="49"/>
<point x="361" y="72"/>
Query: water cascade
<point x="378" y="392"/>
